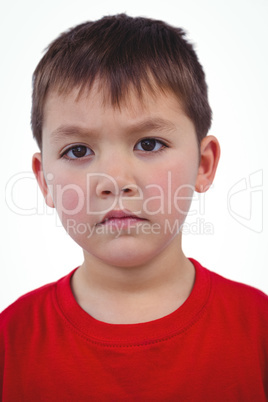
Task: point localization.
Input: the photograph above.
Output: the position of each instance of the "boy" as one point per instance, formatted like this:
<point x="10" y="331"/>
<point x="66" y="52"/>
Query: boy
<point x="120" y="113"/>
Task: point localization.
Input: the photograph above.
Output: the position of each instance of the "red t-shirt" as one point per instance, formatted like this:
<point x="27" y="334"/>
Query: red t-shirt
<point x="213" y="348"/>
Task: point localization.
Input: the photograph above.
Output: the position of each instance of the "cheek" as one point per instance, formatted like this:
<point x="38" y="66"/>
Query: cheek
<point x="68" y="196"/>
<point x="70" y="199"/>
<point x="183" y="187"/>
<point x="70" y="203"/>
<point x="170" y="191"/>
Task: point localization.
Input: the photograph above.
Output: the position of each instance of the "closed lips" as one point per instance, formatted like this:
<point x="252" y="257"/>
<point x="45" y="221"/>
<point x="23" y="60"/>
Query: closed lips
<point x="119" y="216"/>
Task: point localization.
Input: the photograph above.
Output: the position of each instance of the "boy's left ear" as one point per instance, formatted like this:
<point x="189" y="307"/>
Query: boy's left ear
<point x="209" y="158"/>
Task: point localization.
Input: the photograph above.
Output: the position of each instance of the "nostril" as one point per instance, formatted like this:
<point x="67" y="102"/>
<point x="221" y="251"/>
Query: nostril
<point x="106" y="189"/>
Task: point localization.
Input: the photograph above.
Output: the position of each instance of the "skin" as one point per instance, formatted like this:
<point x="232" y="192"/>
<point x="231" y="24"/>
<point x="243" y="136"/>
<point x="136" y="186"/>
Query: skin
<point x="134" y="268"/>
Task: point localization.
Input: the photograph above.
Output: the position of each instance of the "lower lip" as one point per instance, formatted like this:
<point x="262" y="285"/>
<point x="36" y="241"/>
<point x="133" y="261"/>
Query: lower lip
<point x="123" y="222"/>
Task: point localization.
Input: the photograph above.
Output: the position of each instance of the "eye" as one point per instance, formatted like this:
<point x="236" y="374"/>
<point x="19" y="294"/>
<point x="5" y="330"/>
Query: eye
<point x="150" y="145"/>
<point x="77" y="152"/>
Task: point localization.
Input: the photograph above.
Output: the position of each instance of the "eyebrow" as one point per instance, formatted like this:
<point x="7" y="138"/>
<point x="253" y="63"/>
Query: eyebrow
<point x="65" y="130"/>
<point x="156" y="125"/>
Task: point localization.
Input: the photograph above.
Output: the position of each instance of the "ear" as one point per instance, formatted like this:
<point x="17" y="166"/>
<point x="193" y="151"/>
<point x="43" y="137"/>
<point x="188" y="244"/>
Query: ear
<point x="40" y="177"/>
<point x="209" y="158"/>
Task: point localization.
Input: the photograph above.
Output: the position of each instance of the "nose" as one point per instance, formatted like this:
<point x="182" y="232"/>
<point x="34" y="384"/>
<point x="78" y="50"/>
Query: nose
<point x="108" y="185"/>
<point x="116" y="179"/>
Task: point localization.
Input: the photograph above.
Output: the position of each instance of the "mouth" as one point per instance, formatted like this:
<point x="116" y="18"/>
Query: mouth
<point x="121" y="218"/>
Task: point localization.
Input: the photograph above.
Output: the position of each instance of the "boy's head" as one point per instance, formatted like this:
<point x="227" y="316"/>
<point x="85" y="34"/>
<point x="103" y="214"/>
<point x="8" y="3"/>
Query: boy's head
<point x="122" y="53"/>
<point x="121" y="105"/>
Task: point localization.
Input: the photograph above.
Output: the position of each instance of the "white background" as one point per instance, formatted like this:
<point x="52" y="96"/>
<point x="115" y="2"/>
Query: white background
<point x="230" y="37"/>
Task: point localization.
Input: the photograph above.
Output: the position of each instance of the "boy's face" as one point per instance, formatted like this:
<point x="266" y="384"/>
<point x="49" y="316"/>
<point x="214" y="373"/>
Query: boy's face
<point x="120" y="179"/>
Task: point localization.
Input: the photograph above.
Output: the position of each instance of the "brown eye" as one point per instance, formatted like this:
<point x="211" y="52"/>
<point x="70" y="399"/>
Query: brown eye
<point x="78" y="151"/>
<point x="150" y="145"/>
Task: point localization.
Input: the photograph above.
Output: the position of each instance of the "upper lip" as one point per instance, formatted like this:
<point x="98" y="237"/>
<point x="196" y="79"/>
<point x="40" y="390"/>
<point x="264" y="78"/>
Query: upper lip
<point x="118" y="214"/>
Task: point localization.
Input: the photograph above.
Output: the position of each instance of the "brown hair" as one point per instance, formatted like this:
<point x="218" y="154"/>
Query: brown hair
<point x="121" y="51"/>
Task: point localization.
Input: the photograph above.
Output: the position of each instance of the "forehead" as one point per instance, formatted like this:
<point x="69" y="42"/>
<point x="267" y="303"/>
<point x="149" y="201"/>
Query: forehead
<point x="96" y="101"/>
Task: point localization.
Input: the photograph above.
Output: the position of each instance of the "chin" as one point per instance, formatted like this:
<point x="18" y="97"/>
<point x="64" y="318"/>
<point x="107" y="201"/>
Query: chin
<point x="125" y="259"/>
<point x="125" y="251"/>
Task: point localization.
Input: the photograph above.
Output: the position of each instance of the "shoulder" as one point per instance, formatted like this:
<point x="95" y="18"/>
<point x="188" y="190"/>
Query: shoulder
<point x="33" y="307"/>
<point x="26" y="306"/>
<point x="240" y="307"/>
<point x="36" y="302"/>
<point x="230" y="289"/>
<point x="234" y="300"/>
<point x="240" y="292"/>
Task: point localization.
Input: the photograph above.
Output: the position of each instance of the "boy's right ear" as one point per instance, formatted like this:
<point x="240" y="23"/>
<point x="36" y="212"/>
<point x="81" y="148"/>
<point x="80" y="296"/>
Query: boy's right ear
<point x="40" y="177"/>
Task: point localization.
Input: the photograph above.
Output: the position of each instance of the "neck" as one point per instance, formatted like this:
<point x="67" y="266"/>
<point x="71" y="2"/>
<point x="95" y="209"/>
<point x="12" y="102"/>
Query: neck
<point x="134" y="294"/>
